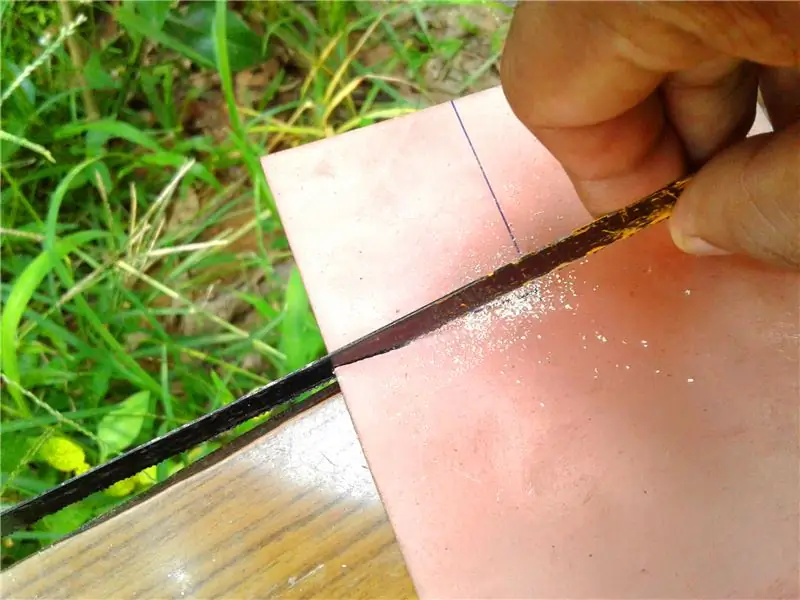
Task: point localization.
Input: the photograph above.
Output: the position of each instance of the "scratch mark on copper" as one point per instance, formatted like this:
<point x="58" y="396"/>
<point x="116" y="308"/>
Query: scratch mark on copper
<point x="486" y="179"/>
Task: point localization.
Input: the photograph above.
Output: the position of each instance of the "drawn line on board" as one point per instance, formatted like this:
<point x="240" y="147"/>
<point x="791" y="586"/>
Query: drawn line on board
<point x="486" y="179"/>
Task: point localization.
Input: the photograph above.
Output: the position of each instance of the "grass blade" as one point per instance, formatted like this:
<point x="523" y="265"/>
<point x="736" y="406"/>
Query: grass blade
<point x="41" y="150"/>
<point x="111" y="128"/>
<point x="20" y="296"/>
<point x="240" y="138"/>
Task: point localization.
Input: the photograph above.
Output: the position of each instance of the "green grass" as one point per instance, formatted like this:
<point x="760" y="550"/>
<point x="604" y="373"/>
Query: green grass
<point x="146" y="279"/>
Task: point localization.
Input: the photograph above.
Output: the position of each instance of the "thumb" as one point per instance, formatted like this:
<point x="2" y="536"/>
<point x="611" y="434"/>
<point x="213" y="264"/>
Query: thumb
<point x="746" y="200"/>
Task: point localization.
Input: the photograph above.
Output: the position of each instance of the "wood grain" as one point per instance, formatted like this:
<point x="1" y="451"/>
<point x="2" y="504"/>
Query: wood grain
<point x="289" y="513"/>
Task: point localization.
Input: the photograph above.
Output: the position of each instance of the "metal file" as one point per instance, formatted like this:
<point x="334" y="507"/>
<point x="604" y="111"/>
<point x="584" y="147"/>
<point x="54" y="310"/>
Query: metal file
<point x="319" y="377"/>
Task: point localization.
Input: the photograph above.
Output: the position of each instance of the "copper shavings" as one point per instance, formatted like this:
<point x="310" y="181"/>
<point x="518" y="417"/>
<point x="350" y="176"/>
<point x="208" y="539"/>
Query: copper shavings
<point x="478" y="331"/>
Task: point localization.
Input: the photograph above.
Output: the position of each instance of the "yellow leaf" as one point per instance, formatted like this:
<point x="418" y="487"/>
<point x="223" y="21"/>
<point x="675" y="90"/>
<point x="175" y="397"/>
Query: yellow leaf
<point x="63" y="454"/>
<point x="146" y="478"/>
<point x="122" y="488"/>
<point x="82" y="468"/>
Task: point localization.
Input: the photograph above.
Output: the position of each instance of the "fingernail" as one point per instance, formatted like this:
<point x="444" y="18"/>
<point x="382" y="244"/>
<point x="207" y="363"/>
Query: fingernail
<point x="698" y="246"/>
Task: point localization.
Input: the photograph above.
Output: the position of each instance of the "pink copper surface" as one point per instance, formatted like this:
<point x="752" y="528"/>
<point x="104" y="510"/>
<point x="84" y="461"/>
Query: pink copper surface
<point x="627" y="427"/>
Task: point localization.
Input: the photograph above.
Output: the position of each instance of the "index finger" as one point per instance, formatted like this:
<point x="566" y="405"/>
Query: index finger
<point x="597" y="111"/>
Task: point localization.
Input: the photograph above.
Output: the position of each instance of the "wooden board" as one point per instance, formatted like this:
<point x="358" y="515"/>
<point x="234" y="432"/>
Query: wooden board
<point x="289" y="513"/>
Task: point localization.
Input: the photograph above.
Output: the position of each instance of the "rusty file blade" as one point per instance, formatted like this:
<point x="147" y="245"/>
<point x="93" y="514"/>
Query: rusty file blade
<point x="319" y="376"/>
<point x="582" y="242"/>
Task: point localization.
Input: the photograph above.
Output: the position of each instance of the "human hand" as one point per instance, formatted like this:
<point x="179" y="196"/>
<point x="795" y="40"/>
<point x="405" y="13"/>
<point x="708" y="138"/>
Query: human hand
<point x="629" y="96"/>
